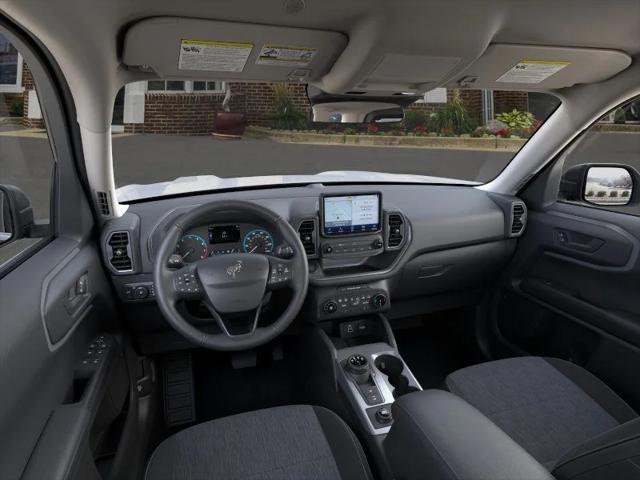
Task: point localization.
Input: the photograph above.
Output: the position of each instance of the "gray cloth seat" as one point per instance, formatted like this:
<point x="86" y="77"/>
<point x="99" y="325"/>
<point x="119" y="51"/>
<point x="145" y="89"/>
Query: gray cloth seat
<point x="292" y="442"/>
<point x="548" y="406"/>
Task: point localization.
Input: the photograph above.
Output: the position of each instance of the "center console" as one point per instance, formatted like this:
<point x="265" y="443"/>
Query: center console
<point x="373" y="376"/>
<point x="357" y="244"/>
<point x="369" y="374"/>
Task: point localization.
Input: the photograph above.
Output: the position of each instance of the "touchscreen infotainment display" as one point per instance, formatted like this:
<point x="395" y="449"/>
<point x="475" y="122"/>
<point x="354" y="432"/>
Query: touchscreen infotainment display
<point x="348" y="214"/>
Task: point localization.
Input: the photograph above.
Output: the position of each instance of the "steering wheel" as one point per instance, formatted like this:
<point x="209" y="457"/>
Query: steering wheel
<point x="232" y="286"/>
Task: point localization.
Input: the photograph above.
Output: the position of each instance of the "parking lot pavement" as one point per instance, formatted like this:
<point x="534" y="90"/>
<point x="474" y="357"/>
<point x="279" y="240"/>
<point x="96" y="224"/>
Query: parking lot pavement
<point x="26" y="161"/>
<point x="154" y="158"/>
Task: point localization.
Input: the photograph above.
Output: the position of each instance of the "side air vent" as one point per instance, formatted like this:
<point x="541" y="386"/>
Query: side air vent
<point x="395" y="230"/>
<point x="308" y="235"/>
<point x="518" y="218"/>
<point x="103" y="203"/>
<point x="120" y="253"/>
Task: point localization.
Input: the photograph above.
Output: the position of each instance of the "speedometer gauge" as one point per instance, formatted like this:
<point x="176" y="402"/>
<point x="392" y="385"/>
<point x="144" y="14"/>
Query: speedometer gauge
<point x="258" y="241"/>
<point x="191" y="248"/>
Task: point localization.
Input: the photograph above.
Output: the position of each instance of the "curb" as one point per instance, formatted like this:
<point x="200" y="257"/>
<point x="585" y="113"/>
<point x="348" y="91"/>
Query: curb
<point x="450" y="143"/>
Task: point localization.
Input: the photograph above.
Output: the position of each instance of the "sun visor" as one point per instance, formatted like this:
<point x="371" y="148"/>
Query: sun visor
<point x="529" y="67"/>
<point x="179" y="48"/>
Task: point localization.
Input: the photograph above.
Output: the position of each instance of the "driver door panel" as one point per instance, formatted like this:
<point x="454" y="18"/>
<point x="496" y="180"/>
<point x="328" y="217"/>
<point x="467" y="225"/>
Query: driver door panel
<point x="51" y="401"/>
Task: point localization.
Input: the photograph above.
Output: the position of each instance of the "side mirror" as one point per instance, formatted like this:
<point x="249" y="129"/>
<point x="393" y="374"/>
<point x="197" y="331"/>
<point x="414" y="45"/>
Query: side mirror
<point x="604" y="185"/>
<point x="608" y="186"/>
<point x="16" y="214"/>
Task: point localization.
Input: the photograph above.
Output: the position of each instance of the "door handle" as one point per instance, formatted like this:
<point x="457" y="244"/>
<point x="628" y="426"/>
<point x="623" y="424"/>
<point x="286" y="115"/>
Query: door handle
<point x="578" y="241"/>
<point x="78" y="295"/>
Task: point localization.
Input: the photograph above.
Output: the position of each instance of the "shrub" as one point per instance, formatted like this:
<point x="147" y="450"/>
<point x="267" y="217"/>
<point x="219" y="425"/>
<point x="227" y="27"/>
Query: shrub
<point x="349" y="131"/>
<point x="601" y="193"/>
<point x="589" y="193"/>
<point x="619" y="116"/>
<point x="17" y="107"/>
<point x="527" y="132"/>
<point x="517" y="120"/>
<point x="373" y="128"/>
<point x="482" y="132"/>
<point x="286" y="114"/>
<point x="613" y="193"/>
<point x="625" y="193"/>
<point x="414" y="119"/>
<point x="452" y="119"/>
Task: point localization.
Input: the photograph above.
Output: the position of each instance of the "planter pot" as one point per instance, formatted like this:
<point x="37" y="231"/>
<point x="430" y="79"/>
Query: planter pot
<point x="230" y="125"/>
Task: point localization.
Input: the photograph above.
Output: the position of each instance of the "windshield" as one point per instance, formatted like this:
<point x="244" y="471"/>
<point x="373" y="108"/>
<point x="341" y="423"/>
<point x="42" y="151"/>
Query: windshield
<point x="174" y="137"/>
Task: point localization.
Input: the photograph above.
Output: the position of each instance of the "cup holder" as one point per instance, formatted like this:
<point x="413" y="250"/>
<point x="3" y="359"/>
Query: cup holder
<point x="390" y="365"/>
<point x="393" y="367"/>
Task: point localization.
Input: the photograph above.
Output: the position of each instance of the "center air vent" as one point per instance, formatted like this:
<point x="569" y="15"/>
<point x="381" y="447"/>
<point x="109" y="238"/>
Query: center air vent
<point x="307" y="232"/>
<point x="396" y="230"/>
<point x="120" y="254"/>
<point x="518" y="218"/>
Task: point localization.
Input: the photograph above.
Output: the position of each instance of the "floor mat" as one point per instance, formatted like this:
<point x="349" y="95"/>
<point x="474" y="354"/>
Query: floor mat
<point x="222" y="390"/>
<point x="441" y="344"/>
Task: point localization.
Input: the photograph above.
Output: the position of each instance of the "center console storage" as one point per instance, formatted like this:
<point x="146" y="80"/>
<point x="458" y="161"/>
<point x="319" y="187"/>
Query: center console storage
<point x="438" y="435"/>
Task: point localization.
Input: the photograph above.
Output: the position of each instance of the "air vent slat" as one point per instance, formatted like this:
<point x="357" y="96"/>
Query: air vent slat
<point x="120" y="257"/>
<point x="103" y="203"/>
<point x="307" y="232"/>
<point x="395" y="224"/>
<point x="518" y="218"/>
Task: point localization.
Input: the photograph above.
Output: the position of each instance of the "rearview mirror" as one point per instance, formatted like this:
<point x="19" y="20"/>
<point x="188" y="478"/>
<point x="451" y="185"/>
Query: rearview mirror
<point x="608" y="186"/>
<point x="357" y="112"/>
<point x="357" y="108"/>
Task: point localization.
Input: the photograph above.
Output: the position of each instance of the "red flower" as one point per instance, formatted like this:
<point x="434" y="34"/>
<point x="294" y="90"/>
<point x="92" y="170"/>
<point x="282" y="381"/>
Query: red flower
<point x="373" y="128"/>
<point x="420" y="128"/>
<point x="503" y="132"/>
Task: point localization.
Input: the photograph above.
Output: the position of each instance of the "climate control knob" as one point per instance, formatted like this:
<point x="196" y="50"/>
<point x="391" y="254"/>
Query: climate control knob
<point x="379" y="300"/>
<point x="330" y="307"/>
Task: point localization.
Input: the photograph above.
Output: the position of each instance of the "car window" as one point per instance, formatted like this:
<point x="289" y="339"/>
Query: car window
<point x="606" y="160"/>
<point x="182" y="136"/>
<point x="26" y="158"/>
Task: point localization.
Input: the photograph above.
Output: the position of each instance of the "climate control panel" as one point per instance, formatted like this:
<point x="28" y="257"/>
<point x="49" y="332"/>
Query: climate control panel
<point x="366" y="246"/>
<point x="354" y="300"/>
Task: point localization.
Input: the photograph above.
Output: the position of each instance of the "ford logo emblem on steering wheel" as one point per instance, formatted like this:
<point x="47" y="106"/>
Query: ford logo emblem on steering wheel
<point x="234" y="269"/>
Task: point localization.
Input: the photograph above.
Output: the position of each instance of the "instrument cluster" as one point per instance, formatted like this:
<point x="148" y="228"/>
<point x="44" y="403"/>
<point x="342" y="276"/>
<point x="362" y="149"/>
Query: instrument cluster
<point x="210" y="240"/>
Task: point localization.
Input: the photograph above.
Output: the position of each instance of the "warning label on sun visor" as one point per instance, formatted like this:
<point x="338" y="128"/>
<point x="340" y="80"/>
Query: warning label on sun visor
<point x="532" y="71"/>
<point x="284" y="55"/>
<point x="213" y="56"/>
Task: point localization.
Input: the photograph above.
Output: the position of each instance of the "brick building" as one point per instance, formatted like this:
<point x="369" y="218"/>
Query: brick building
<point x="190" y="107"/>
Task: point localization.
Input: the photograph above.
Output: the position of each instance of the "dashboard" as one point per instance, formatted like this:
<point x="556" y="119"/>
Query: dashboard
<point x="398" y="249"/>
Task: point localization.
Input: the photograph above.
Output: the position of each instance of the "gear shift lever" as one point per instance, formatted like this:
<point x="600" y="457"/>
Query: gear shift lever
<point x="358" y="366"/>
